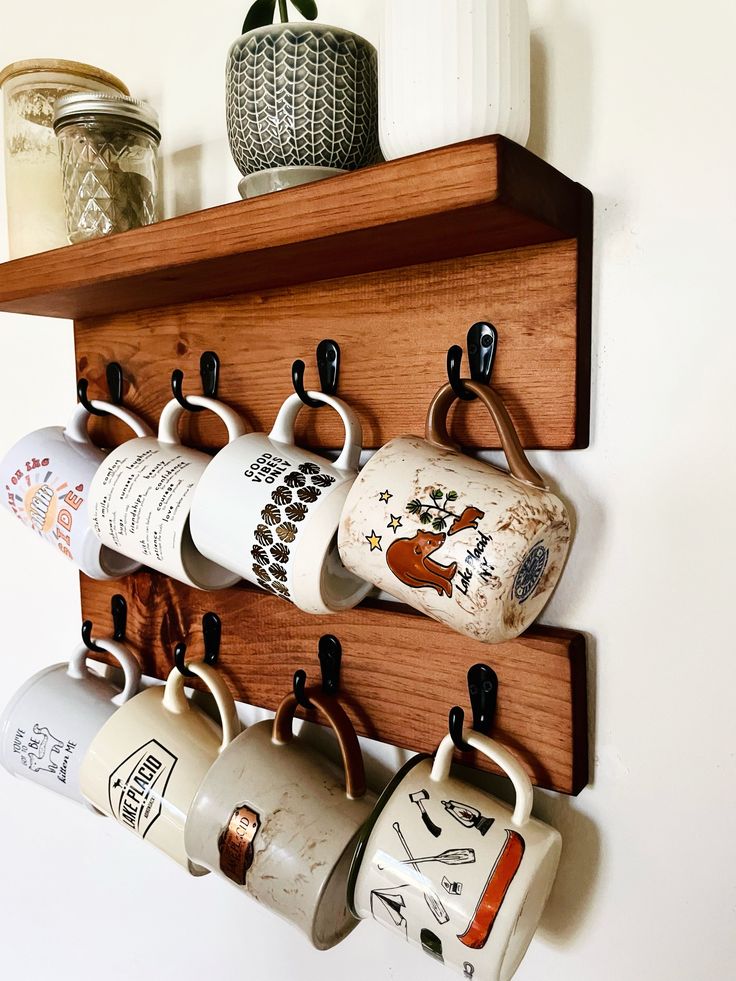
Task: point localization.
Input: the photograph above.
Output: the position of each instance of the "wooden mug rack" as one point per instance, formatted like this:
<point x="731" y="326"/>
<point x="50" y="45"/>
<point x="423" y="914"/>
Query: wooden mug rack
<point x="394" y="262"/>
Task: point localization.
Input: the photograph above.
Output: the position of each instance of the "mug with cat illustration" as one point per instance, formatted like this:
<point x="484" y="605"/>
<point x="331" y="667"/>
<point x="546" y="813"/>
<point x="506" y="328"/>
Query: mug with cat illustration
<point x="477" y="548"/>
<point x="50" y="722"/>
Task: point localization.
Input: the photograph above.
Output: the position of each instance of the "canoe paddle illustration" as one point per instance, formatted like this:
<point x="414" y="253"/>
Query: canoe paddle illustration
<point x="436" y="908"/>
<point x="453" y="856"/>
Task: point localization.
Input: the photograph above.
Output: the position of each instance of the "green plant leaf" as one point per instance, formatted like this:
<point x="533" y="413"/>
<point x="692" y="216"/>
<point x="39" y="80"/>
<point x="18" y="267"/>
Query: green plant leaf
<point x="260" y="14"/>
<point x="439" y="524"/>
<point x="452" y="495"/>
<point x="414" y="507"/>
<point x="436" y="495"/>
<point x="425" y="518"/>
<point x="307" y="8"/>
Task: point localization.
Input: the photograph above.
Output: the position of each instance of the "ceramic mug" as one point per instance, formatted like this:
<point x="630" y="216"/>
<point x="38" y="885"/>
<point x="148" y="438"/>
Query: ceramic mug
<point x="50" y="722"/>
<point x="475" y="547"/>
<point x="145" y="765"/>
<point x="270" y="510"/>
<point x="280" y="820"/>
<point x="47" y="477"/>
<point x="471" y="896"/>
<point x="141" y="499"/>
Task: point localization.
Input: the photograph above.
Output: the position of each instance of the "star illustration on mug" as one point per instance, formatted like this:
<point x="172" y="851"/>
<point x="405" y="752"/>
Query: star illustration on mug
<point x="394" y="523"/>
<point x="374" y="541"/>
<point x="385" y="496"/>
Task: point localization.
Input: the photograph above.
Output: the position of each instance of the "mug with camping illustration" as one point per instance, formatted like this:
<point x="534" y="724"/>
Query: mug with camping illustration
<point x="477" y="548"/>
<point x="444" y="865"/>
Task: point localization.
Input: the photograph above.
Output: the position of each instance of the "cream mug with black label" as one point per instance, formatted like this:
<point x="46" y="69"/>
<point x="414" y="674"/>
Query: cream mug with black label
<point x="145" y="765"/>
<point x="142" y="496"/>
<point x="471" y="892"/>
<point x="46" y="480"/>
<point x="269" y="511"/>
<point x="475" y="547"/>
<point x="280" y="821"/>
<point x="50" y="722"/>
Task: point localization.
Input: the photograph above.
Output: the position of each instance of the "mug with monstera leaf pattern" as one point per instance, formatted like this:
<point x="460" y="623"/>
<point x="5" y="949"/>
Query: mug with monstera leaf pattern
<point x="269" y="511"/>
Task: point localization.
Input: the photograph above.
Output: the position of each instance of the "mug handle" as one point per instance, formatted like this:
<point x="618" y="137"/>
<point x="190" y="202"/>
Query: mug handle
<point x="331" y="710"/>
<point x="436" y="429"/>
<point x="131" y="668"/>
<point x="77" y="429"/>
<point x="501" y="757"/>
<point x="169" y="423"/>
<point x="176" y="701"/>
<point x="283" y="428"/>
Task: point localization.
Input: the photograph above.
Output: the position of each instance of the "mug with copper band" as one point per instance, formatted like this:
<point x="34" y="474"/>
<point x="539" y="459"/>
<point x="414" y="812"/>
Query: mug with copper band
<point x="477" y="548"/>
<point x="444" y="865"/>
<point x="272" y="810"/>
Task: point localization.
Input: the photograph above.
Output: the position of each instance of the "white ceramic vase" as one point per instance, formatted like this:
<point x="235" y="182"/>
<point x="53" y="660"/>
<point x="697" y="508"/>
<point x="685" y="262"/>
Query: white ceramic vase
<point x="452" y="70"/>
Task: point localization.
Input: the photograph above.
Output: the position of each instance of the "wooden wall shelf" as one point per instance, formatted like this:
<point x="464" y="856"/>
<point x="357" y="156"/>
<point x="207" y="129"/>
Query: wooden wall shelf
<point x="401" y="672"/>
<point x="395" y="262"/>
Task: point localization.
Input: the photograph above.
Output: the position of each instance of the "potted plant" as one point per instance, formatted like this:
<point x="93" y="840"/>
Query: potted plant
<point x="302" y="99"/>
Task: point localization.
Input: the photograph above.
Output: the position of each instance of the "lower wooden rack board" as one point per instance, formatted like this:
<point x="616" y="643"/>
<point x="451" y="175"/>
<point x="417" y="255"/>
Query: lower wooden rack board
<point x="401" y="673"/>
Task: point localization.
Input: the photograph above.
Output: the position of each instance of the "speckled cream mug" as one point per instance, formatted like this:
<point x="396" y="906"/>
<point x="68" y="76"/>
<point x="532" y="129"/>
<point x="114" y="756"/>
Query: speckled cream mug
<point x="278" y="819"/>
<point x="472" y="892"/>
<point x="477" y="548"/>
<point x="146" y="763"/>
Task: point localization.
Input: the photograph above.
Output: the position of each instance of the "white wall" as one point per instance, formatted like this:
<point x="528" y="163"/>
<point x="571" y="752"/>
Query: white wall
<point x="634" y="99"/>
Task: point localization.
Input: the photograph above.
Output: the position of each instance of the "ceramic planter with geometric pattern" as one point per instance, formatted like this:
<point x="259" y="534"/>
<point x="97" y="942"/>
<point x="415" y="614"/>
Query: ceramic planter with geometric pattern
<point x="302" y="103"/>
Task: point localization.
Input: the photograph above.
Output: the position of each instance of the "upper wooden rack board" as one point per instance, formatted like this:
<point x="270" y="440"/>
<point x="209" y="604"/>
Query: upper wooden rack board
<point x="394" y="262"/>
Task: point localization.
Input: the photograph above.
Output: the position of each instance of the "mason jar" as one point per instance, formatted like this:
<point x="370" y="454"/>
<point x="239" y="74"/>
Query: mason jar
<point x="35" y="201"/>
<point x="109" y="163"/>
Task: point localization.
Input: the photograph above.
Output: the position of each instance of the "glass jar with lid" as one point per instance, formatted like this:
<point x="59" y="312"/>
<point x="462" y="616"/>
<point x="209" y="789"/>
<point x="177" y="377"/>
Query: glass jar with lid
<point x="36" y="218"/>
<point x="109" y="163"/>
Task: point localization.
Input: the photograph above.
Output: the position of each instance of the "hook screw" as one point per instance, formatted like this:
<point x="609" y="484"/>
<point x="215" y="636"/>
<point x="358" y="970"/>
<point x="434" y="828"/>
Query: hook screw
<point x="119" y="610"/>
<point x="209" y="372"/>
<point x="212" y="634"/>
<point x="114" y="375"/>
<point x="482" y="347"/>
<point x="328" y="365"/>
<point x="330" y="658"/>
<point x="483" y="691"/>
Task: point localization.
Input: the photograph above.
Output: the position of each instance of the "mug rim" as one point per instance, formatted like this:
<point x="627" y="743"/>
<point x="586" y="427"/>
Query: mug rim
<point x="366" y="831"/>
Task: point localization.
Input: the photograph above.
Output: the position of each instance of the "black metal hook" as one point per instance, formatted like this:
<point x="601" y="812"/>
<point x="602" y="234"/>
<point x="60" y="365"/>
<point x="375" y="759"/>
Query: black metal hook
<point x="330" y="658"/>
<point x="114" y="375"/>
<point x="211" y="634"/>
<point x="482" y="347"/>
<point x="209" y="372"/>
<point x="119" y="610"/>
<point x="483" y="691"/>
<point x="328" y="365"/>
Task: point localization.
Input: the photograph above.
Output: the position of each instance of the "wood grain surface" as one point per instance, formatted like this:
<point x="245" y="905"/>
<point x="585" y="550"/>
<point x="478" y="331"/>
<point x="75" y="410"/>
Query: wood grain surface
<point x="394" y="329"/>
<point x="478" y="197"/>
<point x="401" y="672"/>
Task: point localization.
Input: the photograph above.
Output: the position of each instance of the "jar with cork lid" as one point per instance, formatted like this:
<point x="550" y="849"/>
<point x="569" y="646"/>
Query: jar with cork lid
<point x="36" y="215"/>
